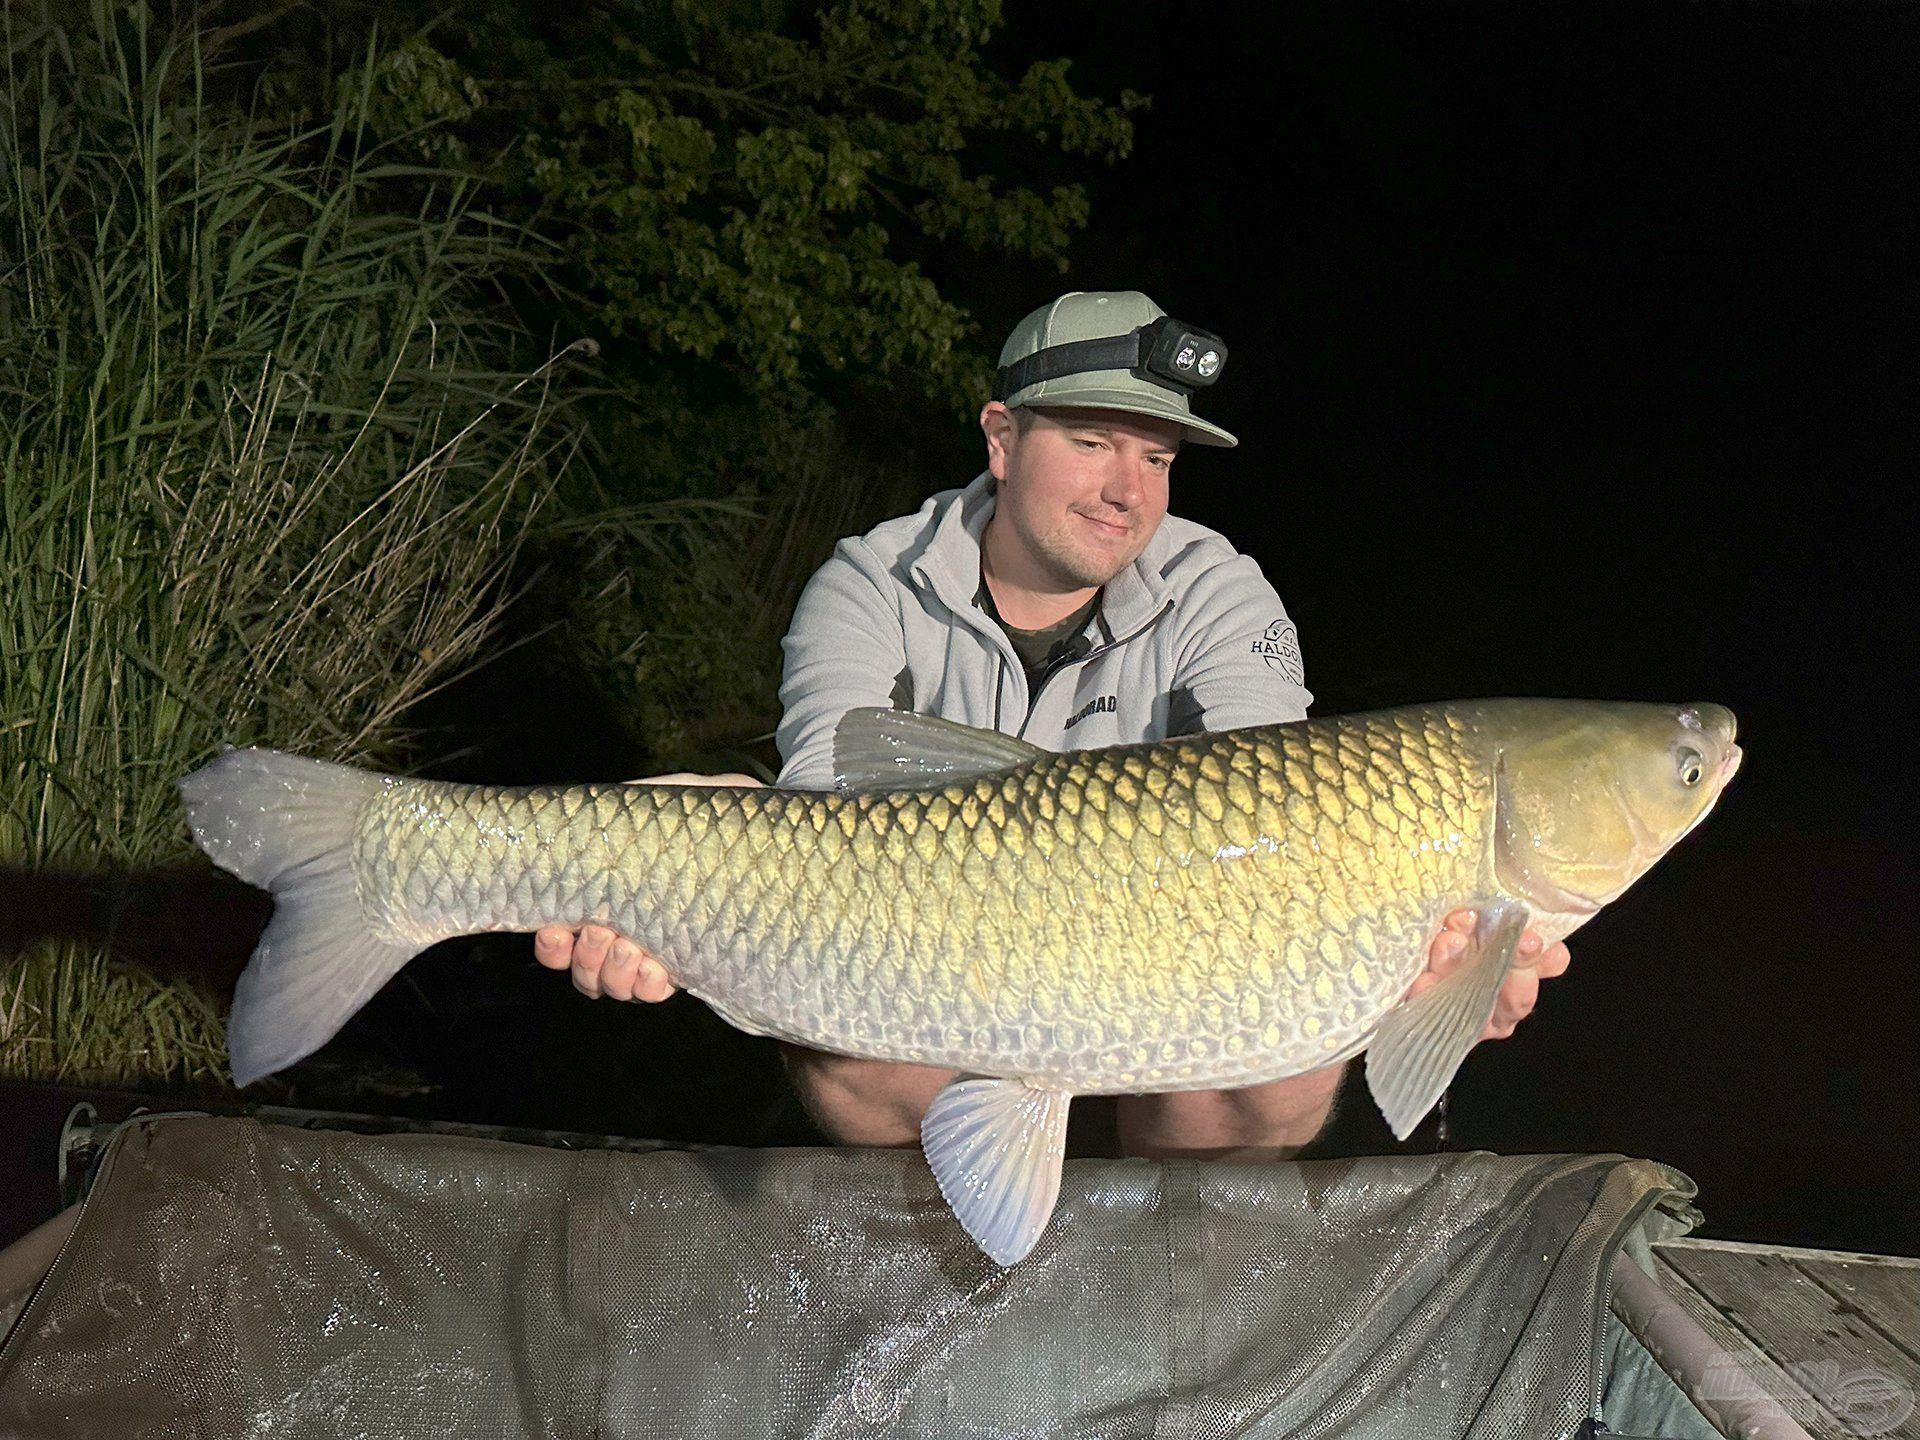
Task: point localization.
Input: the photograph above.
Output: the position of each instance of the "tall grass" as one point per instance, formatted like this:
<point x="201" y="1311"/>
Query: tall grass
<point x="263" y="464"/>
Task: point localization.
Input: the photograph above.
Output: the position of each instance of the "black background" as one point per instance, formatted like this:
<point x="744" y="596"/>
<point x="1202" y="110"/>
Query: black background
<point x="1572" y="354"/>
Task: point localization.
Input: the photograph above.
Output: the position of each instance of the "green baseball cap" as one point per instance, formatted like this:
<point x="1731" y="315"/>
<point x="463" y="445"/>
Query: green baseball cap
<point x="1112" y="350"/>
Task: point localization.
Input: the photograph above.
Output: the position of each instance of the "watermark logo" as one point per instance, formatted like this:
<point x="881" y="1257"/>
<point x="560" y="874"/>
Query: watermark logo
<point x="1866" y="1400"/>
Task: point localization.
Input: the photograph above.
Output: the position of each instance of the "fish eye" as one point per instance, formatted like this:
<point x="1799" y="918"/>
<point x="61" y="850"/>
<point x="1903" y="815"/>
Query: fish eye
<point x="1690" y="767"/>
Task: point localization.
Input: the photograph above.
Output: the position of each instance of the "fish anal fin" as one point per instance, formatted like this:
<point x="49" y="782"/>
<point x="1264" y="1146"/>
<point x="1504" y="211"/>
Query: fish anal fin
<point x="997" y="1147"/>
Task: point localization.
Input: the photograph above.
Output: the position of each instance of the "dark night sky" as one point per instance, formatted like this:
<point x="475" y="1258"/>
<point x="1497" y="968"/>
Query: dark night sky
<point x="1572" y="355"/>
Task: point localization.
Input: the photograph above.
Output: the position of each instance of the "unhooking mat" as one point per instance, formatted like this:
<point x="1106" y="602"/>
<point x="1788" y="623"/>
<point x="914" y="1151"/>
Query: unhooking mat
<point x="232" y="1278"/>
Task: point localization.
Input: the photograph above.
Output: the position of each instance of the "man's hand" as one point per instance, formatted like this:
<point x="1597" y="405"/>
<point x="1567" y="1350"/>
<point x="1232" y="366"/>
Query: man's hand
<point x="1533" y="961"/>
<point x="603" y="961"/>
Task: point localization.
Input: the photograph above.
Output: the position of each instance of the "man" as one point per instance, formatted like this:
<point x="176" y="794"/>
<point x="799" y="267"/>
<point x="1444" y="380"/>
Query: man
<point x="1055" y="599"/>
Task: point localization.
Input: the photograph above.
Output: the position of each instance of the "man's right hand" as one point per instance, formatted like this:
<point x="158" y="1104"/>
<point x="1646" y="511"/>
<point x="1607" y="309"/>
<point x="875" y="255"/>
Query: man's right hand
<point x="603" y="961"/>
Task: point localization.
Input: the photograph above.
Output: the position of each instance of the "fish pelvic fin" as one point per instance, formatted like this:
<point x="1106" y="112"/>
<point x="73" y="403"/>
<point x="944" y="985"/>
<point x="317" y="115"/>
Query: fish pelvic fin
<point x="286" y="824"/>
<point x="996" y="1147"/>
<point x="1414" y="1053"/>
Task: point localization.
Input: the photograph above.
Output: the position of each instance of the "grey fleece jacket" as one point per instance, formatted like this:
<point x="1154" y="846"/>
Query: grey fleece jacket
<point x="1190" y="637"/>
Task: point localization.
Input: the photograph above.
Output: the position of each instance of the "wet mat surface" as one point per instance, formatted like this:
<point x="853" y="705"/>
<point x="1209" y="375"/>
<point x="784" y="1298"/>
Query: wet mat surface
<point x="232" y="1278"/>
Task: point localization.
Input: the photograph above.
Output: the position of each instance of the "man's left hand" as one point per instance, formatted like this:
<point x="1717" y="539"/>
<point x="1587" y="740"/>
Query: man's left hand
<point x="1534" y="960"/>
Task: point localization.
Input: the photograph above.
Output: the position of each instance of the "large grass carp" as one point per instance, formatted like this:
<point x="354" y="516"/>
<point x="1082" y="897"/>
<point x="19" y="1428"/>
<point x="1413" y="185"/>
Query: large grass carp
<point x="1198" y="913"/>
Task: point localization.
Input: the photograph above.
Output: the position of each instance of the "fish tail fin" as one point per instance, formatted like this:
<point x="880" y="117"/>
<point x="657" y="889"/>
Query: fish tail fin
<point x="286" y="824"/>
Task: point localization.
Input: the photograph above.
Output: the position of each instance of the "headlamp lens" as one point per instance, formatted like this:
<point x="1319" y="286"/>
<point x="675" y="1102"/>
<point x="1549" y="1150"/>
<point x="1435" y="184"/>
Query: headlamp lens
<point x="1184" y="354"/>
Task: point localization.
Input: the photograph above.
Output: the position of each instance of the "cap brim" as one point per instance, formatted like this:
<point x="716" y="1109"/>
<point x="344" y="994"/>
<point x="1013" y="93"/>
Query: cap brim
<point x="1201" y="432"/>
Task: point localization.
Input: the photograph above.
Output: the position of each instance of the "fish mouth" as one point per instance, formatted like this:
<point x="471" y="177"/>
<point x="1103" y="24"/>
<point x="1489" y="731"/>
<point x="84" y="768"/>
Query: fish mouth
<point x="1717" y="723"/>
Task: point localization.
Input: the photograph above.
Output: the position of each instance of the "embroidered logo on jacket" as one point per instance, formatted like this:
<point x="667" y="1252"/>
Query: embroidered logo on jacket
<point x="1099" y="705"/>
<point x="1280" y="648"/>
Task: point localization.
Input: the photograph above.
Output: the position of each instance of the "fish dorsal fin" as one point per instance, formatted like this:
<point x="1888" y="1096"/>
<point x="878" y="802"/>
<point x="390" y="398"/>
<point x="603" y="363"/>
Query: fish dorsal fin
<point x="1417" y="1048"/>
<point x="877" y="749"/>
<point x="996" y="1147"/>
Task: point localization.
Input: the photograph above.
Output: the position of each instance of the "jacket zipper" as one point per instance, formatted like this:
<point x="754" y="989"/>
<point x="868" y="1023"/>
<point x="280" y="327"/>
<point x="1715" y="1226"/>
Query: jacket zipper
<point x="1002" y="647"/>
<point x="1046" y="676"/>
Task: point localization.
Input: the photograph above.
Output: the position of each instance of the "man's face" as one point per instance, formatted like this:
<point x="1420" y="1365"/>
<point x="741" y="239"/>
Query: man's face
<point x="1081" y="490"/>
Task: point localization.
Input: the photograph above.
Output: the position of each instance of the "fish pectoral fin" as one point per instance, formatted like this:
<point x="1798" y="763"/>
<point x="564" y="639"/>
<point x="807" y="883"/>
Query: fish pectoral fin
<point x="996" y="1147"/>
<point x="876" y="749"/>
<point x="1414" y="1053"/>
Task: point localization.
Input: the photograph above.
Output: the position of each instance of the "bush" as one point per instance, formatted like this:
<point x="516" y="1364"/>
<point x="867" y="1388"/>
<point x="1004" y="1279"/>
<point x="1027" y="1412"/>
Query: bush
<point x="680" y="625"/>
<point x="785" y="221"/>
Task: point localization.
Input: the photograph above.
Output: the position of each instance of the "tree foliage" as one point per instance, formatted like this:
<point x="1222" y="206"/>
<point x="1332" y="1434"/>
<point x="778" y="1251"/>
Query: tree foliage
<point x="766" y="187"/>
<point x="769" y="214"/>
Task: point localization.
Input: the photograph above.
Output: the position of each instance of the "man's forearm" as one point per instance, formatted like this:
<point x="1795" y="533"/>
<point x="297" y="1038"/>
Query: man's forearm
<point x="1262" y="1122"/>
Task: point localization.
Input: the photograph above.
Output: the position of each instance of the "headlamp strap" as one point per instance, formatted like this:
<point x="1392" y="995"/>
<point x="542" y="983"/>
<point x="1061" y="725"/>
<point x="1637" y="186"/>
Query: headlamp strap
<point x="1109" y="352"/>
<point x="1163" y="352"/>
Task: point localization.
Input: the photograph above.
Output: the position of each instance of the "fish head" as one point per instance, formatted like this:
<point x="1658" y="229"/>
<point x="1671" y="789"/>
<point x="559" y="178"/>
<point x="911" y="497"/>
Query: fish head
<point x="1591" y="795"/>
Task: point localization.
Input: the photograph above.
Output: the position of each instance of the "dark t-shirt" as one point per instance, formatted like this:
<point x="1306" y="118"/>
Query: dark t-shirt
<point x="1039" y="650"/>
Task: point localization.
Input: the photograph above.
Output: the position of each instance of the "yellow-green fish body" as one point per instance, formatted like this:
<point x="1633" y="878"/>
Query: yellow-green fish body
<point x="1198" y="913"/>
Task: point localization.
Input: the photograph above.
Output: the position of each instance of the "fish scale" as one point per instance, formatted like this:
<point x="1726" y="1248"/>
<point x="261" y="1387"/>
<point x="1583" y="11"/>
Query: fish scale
<point x="1219" y="892"/>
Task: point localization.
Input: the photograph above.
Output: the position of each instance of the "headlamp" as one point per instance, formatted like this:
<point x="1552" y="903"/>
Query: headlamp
<point x="1177" y="357"/>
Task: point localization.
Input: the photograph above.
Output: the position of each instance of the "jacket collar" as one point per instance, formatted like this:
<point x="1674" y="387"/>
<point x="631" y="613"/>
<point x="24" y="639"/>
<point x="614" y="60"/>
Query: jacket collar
<point x="949" y="564"/>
